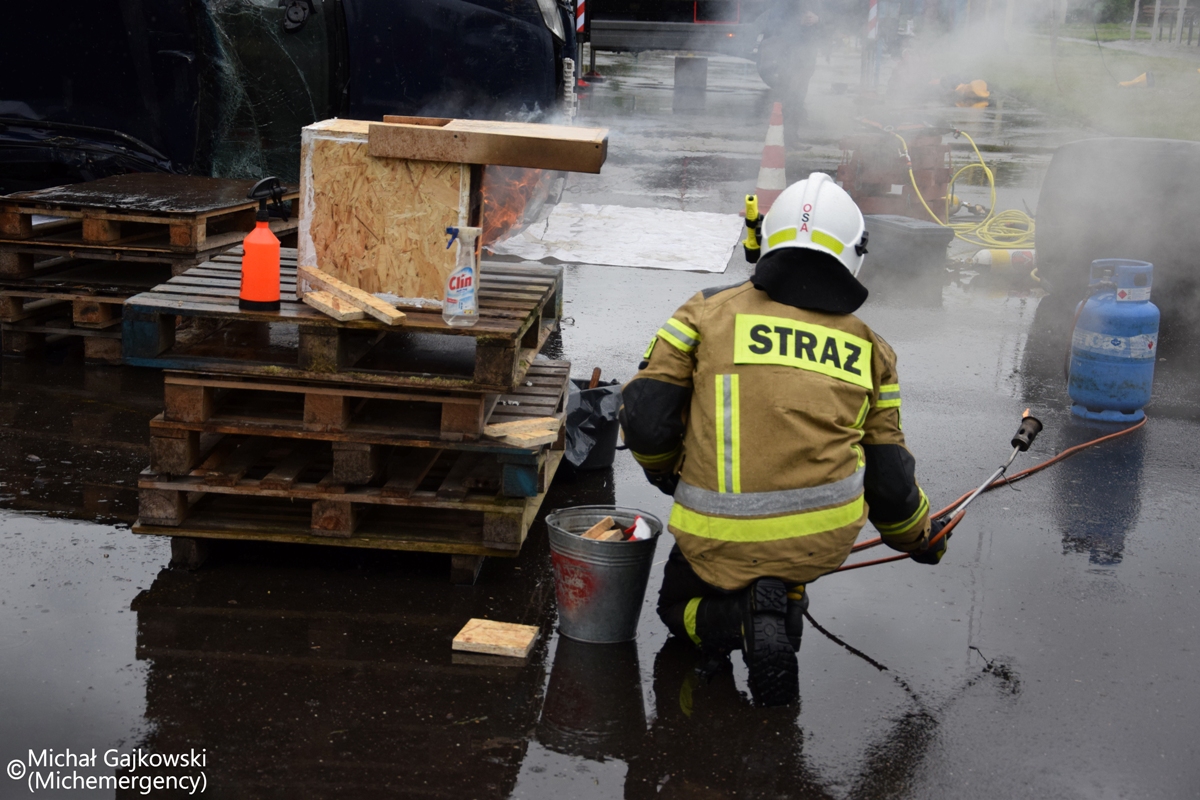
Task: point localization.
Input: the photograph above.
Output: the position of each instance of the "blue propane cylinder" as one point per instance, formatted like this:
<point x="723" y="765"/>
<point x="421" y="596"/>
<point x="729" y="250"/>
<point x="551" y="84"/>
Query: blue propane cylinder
<point x="1115" y="343"/>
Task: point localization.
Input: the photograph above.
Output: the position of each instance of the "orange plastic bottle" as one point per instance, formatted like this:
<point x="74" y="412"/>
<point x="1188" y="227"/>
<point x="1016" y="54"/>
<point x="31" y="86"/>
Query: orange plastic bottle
<point x="260" y="270"/>
<point x="260" y="259"/>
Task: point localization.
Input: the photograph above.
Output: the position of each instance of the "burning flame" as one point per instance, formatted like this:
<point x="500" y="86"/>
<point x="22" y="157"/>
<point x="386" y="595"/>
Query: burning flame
<point x="512" y="196"/>
<point x="1026" y="414"/>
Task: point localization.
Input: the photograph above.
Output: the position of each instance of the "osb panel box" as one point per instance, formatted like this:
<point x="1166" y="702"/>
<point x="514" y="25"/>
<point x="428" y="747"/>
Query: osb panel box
<point x="379" y="224"/>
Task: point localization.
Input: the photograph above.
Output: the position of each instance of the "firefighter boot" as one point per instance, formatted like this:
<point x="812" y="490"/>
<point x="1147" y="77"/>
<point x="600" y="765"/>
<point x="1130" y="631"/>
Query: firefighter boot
<point x="718" y="624"/>
<point x="770" y="659"/>
<point x="717" y="630"/>
<point x="797" y="605"/>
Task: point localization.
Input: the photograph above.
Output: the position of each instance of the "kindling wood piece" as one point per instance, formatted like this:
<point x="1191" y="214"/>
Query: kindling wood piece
<point x="334" y="306"/>
<point x="496" y="638"/>
<point x="311" y="278"/>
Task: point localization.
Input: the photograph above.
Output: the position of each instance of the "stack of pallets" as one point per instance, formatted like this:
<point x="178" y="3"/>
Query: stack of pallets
<point x="293" y="426"/>
<point x="71" y="255"/>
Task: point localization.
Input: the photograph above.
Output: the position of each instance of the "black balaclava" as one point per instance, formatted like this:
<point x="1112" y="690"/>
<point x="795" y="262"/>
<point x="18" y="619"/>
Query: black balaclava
<point x="803" y="278"/>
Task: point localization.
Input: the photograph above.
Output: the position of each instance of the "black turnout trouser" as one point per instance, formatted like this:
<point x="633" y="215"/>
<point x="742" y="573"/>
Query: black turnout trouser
<point x="679" y="585"/>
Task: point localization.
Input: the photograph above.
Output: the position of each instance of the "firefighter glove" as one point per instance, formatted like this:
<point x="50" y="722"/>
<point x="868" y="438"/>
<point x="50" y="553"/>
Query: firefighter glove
<point x="931" y="554"/>
<point x="663" y="480"/>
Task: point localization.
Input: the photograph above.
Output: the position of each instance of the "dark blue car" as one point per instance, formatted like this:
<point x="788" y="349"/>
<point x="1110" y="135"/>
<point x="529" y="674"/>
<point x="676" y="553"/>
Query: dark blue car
<point x="222" y="87"/>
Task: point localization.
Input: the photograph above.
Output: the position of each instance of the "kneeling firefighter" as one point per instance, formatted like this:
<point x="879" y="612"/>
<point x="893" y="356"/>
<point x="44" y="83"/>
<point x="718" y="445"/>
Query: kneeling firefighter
<point x="772" y="414"/>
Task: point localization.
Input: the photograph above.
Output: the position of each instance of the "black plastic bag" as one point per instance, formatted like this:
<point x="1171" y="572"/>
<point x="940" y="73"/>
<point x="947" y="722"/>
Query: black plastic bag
<point x="592" y="425"/>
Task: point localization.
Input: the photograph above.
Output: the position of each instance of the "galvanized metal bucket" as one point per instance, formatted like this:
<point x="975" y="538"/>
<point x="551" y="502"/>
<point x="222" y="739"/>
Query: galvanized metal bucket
<point x="599" y="585"/>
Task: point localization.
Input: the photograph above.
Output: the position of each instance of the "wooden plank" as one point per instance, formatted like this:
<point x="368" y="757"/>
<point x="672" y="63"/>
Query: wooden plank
<point x="334" y="306"/>
<point x="232" y="469"/>
<point x="496" y="638"/>
<point x="285" y="474"/>
<point x="537" y="424"/>
<point x="407" y="468"/>
<point x="532" y="438"/>
<point x="309" y="278"/>
<point x="454" y="485"/>
<point x="512" y="144"/>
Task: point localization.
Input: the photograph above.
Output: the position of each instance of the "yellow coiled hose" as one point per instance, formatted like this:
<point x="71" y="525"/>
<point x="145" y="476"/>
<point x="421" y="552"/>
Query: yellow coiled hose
<point x="1003" y="230"/>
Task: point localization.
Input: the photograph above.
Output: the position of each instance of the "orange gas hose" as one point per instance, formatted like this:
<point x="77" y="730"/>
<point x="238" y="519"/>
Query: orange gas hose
<point x="1025" y="473"/>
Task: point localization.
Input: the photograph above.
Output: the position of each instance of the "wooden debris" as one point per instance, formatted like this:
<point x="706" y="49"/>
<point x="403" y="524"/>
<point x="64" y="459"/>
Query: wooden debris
<point x="470" y="141"/>
<point x="601" y="527"/>
<point x="310" y="279"/>
<point x="527" y="432"/>
<point x="496" y="638"/>
<point x="335" y="307"/>
<point x="614" y="535"/>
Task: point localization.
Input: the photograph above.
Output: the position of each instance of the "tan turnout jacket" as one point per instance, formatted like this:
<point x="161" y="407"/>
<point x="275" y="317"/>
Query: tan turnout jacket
<point x="772" y="463"/>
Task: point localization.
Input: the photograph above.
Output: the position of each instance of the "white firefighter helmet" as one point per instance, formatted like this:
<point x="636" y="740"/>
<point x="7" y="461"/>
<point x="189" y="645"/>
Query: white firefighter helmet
<point x="817" y="214"/>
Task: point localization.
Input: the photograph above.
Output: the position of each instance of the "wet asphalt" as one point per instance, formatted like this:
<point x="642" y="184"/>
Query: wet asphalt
<point x="1051" y="655"/>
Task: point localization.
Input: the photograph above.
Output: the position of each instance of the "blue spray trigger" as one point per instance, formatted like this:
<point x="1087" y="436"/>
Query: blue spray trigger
<point x="453" y="234"/>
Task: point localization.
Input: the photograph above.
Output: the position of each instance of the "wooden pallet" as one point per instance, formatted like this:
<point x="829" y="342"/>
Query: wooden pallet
<point x="28" y="320"/>
<point x="448" y="503"/>
<point x="138" y="214"/>
<point x="72" y="298"/>
<point x="520" y="306"/>
<point x="198" y="405"/>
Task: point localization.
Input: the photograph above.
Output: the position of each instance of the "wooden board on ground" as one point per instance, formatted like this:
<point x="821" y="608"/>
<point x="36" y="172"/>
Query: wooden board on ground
<point x="379" y="224"/>
<point x="470" y="141"/>
<point x="496" y="638"/>
<point x="311" y="278"/>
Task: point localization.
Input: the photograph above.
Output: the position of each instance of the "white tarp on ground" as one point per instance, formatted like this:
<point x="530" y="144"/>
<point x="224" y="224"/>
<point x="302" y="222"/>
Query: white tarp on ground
<point x="656" y="238"/>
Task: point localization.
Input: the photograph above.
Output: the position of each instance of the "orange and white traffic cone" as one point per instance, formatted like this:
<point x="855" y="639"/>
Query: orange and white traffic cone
<point x="772" y="174"/>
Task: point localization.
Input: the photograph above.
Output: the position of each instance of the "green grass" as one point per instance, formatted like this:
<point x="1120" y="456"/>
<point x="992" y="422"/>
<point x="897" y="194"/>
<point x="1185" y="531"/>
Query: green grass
<point x="1080" y="87"/>
<point x="1108" y="31"/>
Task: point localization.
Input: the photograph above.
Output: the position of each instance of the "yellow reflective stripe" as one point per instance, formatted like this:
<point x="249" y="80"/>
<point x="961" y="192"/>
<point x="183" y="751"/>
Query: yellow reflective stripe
<point x="663" y="333"/>
<point x="889" y="396"/>
<point x="861" y="419"/>
<point x="719" y="418"/>
<point x="686" y="330"/>
<point x="901" y="528"/>
<point x="781" y="236"/>
<point x="681" y="336"/>
<point x="780" y="341"/>
<point x="735" y="434"/>
<point x="825" y="240"/>
<point x="656" y="460"/>
<point x="728" y="423"/>
<point x="650" y="349"/>
<point x="689" y="619"/>
<point x="862" y="457"/>
<point x="766" y="529"/>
